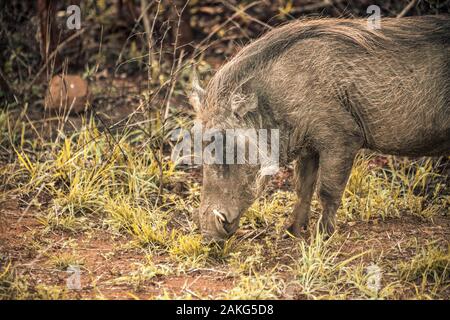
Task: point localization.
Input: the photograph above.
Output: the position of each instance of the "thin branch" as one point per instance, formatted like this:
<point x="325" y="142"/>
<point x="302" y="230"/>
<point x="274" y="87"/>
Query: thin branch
<point x="6" y="88"/>
<point x="316" y="6"/>
<point x="407" y="8"/>
<point x="53" y="54"/>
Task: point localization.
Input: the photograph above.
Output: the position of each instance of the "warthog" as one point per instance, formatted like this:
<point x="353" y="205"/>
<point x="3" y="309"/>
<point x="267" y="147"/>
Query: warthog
<point x="331" y="87"/>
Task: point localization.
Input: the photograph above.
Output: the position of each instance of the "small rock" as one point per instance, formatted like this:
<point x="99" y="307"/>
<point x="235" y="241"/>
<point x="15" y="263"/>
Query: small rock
<point x="67" y="91"/>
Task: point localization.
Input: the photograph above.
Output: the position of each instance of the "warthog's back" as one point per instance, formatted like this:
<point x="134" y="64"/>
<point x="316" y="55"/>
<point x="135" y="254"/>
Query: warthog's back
<point x="399" y="92"/>
<point x="395" y="81"/>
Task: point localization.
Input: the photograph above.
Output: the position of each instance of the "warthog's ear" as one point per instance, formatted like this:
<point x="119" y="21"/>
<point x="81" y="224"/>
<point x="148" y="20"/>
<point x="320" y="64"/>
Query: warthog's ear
<point x="242" y="104"/>
<point x="197" y="93"/>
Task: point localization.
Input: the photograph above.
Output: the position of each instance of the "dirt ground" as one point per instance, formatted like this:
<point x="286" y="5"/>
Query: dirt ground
<point x="106" y="256"/>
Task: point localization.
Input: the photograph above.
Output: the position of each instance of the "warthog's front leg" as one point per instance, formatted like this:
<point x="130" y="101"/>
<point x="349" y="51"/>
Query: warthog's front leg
<point x="335" y="168"/>
<point x="305" y="179"/>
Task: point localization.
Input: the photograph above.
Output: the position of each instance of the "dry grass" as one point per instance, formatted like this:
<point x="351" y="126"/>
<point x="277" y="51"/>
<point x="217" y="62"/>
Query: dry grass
<point x="90" y="184"/>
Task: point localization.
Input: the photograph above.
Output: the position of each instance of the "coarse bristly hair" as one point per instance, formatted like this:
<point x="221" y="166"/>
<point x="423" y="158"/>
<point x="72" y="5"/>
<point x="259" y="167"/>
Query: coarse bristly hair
<point x="247" y="69"/>
<point x="393" y="34"/>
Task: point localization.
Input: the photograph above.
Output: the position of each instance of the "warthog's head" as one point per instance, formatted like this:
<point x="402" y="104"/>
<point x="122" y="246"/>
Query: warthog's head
<point x="228" y="189"/>
<point x="227" y="192"/>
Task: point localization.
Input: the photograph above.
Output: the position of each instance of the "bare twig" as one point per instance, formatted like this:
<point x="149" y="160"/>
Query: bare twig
<point x="4" y="85"/>
<point x="151" y="68"/>
<point x="116" y="143"/>
<point x="240" y="11"/>
<point x="316" y="6"/>
<point x="407" y="8"/>
<point x="148" y="34"/>
<point x="219" y="27"/>
<point x="53" y="54"/>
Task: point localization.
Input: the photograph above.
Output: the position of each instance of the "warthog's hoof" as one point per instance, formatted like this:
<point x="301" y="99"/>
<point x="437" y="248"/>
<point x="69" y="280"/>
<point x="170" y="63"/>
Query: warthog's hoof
<point x="294" y="231"/>
<point x="326" y="229"/>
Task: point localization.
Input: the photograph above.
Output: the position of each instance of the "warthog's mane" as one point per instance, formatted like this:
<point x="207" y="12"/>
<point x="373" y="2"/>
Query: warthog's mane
<point x="393" y="35"/>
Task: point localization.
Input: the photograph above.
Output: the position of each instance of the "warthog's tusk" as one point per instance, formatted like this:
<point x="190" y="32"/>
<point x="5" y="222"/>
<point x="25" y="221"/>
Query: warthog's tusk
<point x="219" y="215"/>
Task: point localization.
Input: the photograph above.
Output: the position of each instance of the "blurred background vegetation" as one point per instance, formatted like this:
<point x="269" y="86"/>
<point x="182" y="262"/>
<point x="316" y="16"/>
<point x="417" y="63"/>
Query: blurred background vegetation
<point x="120" y="38"/>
